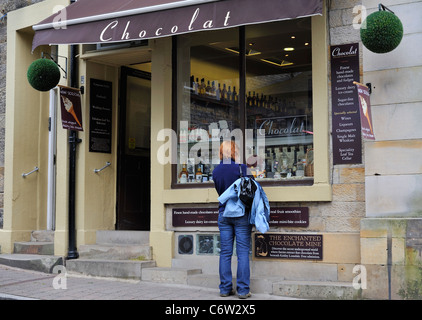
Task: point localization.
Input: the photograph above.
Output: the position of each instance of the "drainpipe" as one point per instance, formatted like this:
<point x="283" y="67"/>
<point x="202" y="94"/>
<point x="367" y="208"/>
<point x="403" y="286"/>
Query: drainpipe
<point x="73" y="141"/>
<point x="51" y="189"/>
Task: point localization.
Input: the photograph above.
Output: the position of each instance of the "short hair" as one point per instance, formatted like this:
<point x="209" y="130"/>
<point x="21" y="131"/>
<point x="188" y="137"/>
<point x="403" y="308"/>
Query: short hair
<point x="229" y="150"/>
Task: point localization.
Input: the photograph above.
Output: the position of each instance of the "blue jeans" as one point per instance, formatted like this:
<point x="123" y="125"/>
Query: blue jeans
<point x="229" y="229"/>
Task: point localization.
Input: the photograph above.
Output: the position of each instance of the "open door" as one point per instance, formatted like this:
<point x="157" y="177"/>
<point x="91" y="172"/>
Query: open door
<point x="133" y="181"/>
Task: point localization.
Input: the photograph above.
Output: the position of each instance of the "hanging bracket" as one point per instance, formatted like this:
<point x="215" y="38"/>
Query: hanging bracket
<point x="56" y="62"/>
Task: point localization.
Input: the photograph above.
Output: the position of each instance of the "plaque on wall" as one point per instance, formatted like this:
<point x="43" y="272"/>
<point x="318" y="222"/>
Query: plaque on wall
<point x="195" y="217"/>
<point x="100" y="116"/>
<point x="288" y="246"/>
<point x="289" y="217"/>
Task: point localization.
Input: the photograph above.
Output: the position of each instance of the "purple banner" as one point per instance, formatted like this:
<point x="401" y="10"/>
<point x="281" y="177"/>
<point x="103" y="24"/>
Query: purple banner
<point x="346" y="130"/>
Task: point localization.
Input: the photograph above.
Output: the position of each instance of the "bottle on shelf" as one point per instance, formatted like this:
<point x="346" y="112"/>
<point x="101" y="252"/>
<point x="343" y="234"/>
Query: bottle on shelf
<point x="223" y="93"/>
<point x="205" y="173"/>
<point x="229" y="94"/>
<point x="261" y="101"/>
<point x="192" y="84"/>
<point x="300" y="168"/>
<point x="208" y="89"/>
<point x="218" y="92"/>
<point x="213" y="89"/>
<point x="183" y="176"/>
<point x="202" y="87"/>
<point x="198" y="174"/>
<point x="283" y="163"/>
<point x="234" y="95"/>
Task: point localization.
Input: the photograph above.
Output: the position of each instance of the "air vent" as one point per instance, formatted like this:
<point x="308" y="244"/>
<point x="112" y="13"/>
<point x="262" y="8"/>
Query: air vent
<point x="185" y="244"/>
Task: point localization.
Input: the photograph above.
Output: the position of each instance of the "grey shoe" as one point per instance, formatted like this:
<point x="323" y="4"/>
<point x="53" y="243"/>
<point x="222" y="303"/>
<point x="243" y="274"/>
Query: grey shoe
<point x="231" y="293"/>
<point x="245" y="296"/>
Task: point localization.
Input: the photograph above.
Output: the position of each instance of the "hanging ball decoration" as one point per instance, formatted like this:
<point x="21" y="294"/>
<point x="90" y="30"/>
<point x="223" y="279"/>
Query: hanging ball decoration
<point x="43" y="74"/>
<point x="383" y="32"/>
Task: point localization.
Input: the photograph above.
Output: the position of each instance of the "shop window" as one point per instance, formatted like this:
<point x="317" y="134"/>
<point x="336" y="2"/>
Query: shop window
<point x="245" y="84"/>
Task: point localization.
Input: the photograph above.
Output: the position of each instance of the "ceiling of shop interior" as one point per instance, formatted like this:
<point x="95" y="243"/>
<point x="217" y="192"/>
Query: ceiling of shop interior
<point x="120" y="57"/>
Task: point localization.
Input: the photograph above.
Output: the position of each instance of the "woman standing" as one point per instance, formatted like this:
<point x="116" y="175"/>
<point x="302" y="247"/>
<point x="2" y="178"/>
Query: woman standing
<point x="224" y="175"/>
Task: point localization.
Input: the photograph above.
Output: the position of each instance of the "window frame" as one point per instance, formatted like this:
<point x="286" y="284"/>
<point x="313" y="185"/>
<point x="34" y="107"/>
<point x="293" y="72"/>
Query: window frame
<point x="242" y="113"/>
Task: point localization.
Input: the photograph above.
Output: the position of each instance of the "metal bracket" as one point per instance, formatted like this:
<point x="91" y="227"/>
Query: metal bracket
<point x="73" y="139"/>
<point x="24" y="175"/>
<point x="369" y="85"/>
<point x="56" y="62"/>
<point x="382" y="7"/>
<point x="106" y="165"/>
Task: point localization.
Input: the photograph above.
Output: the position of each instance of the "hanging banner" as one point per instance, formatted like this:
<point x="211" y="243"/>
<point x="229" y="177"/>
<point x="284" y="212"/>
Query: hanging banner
<point x="70" y="101"/>
<point x="365" y="111"/>
<point x="347" y="140"/>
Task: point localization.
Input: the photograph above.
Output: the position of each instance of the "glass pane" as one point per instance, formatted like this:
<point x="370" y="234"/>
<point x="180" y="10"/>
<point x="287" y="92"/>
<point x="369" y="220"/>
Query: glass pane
<point x="207" y="96"/>
<point x="138" y="115"/>
<point x="205" y="244"/>
<point x="279" y="98"/>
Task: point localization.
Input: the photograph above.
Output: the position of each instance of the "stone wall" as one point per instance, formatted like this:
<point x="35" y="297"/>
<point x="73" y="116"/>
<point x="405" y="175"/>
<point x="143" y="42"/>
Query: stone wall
<point x="391" y="234"/>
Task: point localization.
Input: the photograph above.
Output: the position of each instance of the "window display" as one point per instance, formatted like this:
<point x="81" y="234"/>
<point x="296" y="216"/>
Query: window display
<point x="254" y="85"/>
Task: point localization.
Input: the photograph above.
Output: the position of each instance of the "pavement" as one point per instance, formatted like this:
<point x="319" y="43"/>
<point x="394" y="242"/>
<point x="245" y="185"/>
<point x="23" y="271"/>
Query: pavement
<point x="22" y="284"/>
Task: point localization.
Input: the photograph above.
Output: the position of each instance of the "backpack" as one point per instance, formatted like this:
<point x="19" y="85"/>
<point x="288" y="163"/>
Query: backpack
<point x="247" y="189"/>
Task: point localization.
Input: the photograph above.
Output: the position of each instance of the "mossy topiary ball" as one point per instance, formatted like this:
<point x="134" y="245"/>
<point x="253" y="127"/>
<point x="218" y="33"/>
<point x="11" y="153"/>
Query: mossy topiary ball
<point x="43" y="74"/>
<point x="383" y="32"/>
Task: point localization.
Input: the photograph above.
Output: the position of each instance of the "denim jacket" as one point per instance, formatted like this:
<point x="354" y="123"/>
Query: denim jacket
<point x="260" y="210"/>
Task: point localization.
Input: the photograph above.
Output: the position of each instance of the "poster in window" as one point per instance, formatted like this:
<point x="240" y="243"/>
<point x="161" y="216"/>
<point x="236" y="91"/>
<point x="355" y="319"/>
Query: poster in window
<point x="365" y="112"/>
<point x="100" y="116"/>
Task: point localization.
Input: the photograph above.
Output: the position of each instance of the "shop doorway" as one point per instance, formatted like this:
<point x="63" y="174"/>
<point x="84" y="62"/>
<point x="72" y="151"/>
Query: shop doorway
<point x="134" y="154"/>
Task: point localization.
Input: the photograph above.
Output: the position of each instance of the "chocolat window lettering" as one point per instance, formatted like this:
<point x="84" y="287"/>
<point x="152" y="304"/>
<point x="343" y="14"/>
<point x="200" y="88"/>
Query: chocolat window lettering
<point x="108" y="33"/>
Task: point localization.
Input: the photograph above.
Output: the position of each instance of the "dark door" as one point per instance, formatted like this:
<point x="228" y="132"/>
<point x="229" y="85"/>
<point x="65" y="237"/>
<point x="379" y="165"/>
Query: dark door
<point x="133" y="181"/>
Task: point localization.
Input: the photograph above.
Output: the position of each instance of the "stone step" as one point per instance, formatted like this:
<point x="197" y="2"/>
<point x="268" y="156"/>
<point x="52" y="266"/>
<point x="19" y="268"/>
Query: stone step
<point x="324" y="290"/>
<point x="43" y="248"/>
<point x="126" y="269"/>
<point x="257" y="284"/>
<point x="37" y="262"/>
<point x="122" y="237"/>
<point x="327" y="290"/>
<point x="169" y="275"/>
<point x="115" y="252"/>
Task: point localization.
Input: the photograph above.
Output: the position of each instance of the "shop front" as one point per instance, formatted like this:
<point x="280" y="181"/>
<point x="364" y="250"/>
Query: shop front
<point x="173" y="92"/>
<point x="177" y="81"/>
